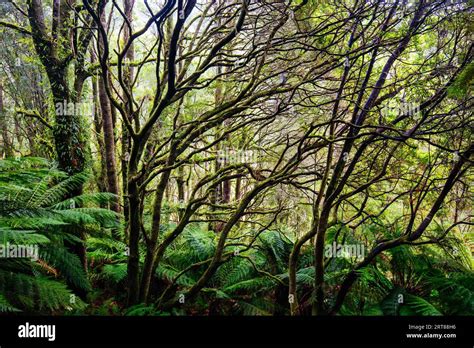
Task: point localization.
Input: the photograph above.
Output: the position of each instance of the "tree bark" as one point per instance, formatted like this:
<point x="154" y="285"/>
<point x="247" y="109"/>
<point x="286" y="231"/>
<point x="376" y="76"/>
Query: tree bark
<point x="7" y="148"/>
<point x="128" y="77"/>
<point x="109" y="141"/>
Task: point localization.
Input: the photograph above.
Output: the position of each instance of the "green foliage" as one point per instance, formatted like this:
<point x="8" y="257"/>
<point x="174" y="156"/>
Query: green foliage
<point x="463" y="83"/>
<point x="144" y="310"/>
<point x="67" y="264"/>
<point x="253" y="285"/>
<point x="358" y="116"/>
<point x="454" y="292"/>
<point x="36" y="293"/>
<point x="5" y="306"/>
<point x="420" y="306"/>
<point x="115" y="272"/>
<point x="38" y="209"/>
<point x="423" y="281"/>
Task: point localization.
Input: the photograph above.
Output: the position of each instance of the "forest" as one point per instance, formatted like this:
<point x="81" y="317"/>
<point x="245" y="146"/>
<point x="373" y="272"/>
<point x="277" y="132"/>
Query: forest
<point x="236" y="157"/>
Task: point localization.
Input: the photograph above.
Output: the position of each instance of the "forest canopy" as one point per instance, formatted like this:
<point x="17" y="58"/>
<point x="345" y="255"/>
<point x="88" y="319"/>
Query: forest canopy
<point x="236" y="157"/>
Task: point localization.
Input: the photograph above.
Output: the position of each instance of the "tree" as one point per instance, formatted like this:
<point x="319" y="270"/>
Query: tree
<point x="272" y="157"/>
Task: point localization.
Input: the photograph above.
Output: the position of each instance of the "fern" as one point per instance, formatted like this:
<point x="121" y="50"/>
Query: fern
<point x="392" y="302"/>
<point x="253" y="285"/>
<point x="169" y="273"/>
<point x="68" y="265"/>
<point x="455" y="294"/>
<point x="144" y="310"/>
<point x="37" y="293"/>
<point x="258" y="307"/>
<point x="304" y="276"/>
<point x="33" y="212"/>
<point x="236" y="270"/>
<point x="5" y="306"/>
<point x="115" y="272"/>
<point x="420" y="306"/>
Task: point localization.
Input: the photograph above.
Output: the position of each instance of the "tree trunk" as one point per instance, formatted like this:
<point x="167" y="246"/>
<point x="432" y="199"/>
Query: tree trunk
<point x="109" y="140"/>
<point x="134" y="225"/>
<point x="101" y="175"/>
<point x="128" y="77"/>
<point x="7" y="148"/>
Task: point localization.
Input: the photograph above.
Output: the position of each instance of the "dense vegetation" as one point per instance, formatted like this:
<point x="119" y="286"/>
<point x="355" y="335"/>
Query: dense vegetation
<point x="236" y="157"/>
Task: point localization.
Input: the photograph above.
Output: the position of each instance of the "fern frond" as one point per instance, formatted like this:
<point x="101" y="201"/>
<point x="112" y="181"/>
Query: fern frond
<point x="115" y="272"/>
<point x="420" y="306"/>
<point x="5" y="306"/>
<point x="61" y="190"/>
<point x="253" y="285"/>
<point x="67" y="264"/>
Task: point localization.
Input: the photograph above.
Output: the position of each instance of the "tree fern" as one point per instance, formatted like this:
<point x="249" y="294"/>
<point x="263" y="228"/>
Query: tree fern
<point x="258" y="307"/>
<point x="253" y="285"/>
<point x="5" y="306"/>
<point x="420" y="306"/>
<point x="454" y="294"/>
<point x="37" y="293"/>
<point x="115" y="272"/>
<point x="392" y="302"/>
<point x="68" y="265"/>
<point x="169" y="273"/>
<point x="144" y="310"/>
<point x="33" y="211"/>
